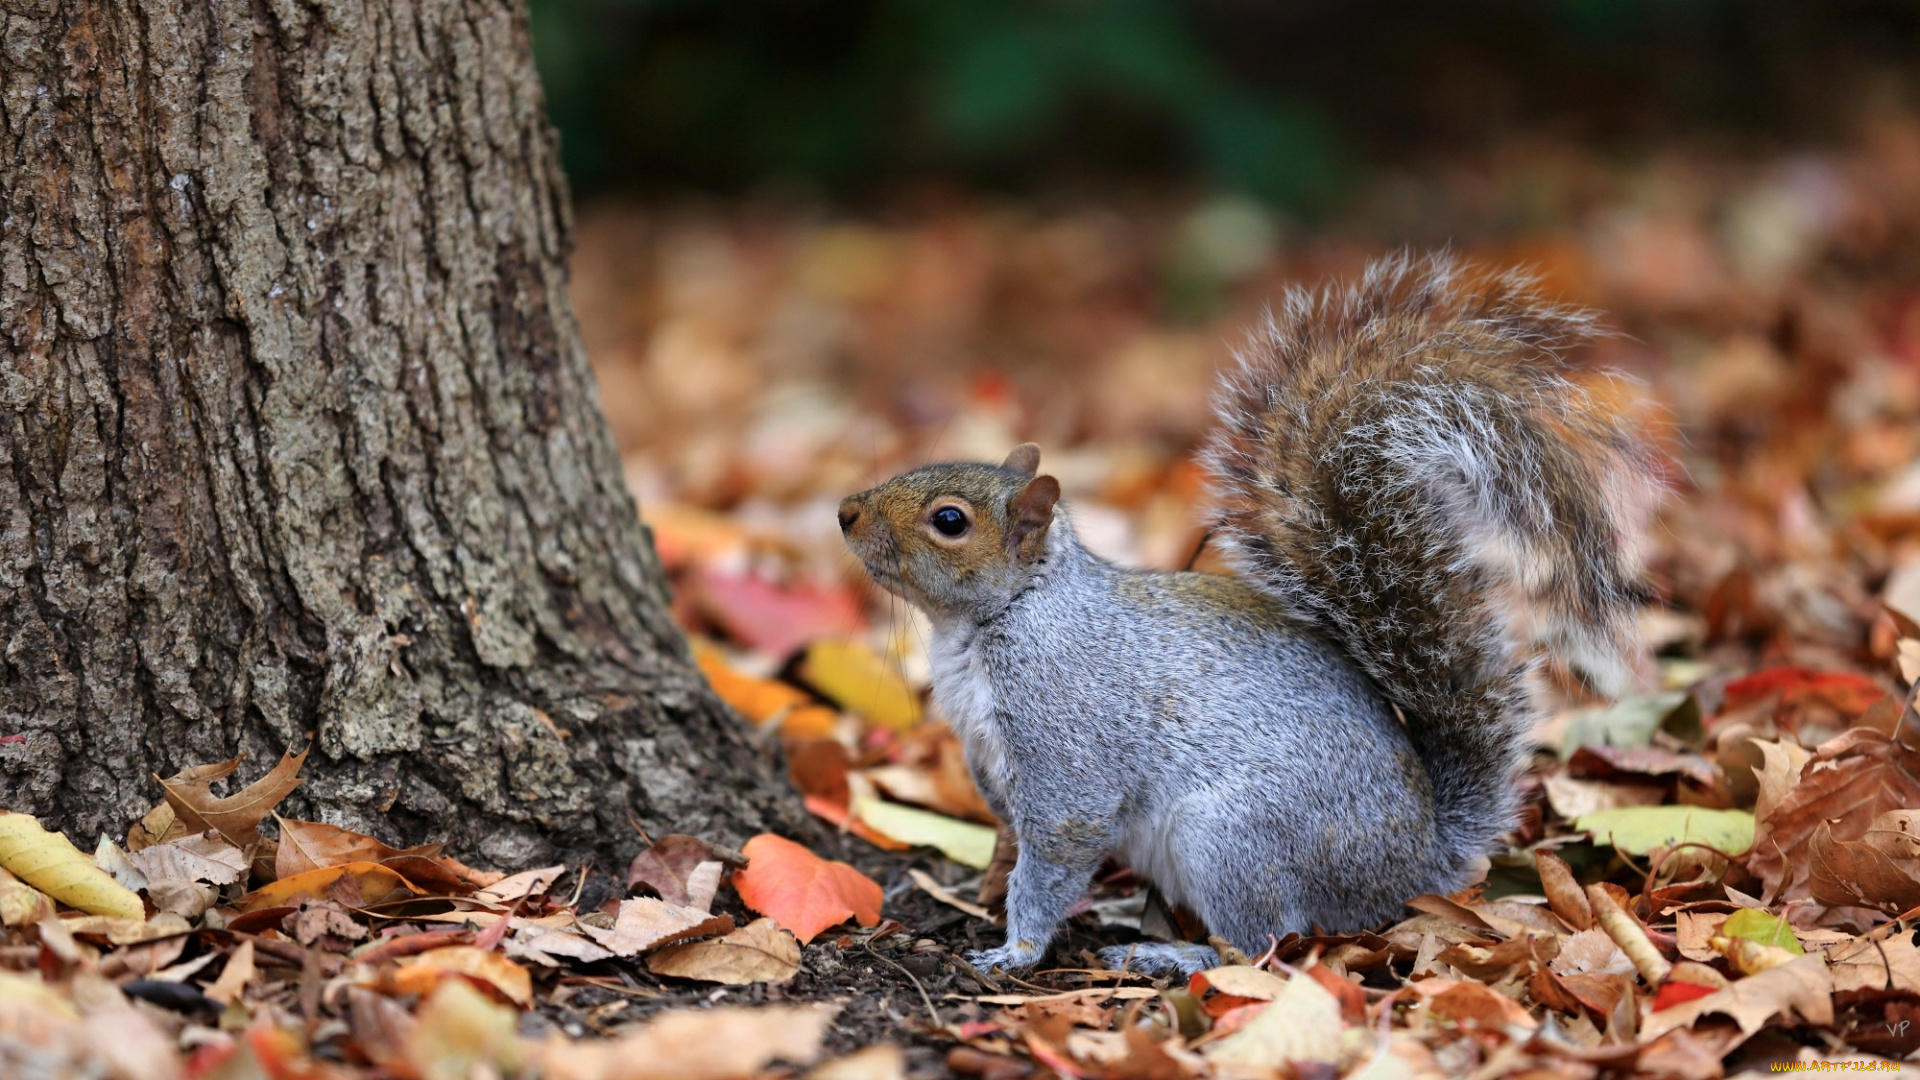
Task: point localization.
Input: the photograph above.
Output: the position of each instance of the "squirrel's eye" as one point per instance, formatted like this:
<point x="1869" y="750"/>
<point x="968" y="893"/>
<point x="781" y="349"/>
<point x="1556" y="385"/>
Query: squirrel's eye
<point x="949" y="521"/>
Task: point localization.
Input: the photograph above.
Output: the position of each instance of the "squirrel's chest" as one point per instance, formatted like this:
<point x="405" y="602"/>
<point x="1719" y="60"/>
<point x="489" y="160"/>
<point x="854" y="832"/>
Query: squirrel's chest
<point x="965" y="692"/>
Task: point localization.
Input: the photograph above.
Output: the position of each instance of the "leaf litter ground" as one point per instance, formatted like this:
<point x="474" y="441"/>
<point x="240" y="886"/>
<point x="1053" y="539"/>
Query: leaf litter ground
<point x="1716" y="875"/>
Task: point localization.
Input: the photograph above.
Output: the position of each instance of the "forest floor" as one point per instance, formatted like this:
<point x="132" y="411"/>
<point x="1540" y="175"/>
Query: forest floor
<point x="1720" y="874"/>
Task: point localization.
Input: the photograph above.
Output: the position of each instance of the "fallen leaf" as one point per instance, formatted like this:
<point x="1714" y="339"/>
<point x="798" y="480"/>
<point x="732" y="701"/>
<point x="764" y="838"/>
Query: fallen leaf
<point x="941" y="893"/>
<point x="1692" y="932"/>
<point x="680" y="868"/>
<point x="1302" y="1024"/>
<point x="1763" y="928"/>
<point x="460" y="1033"/>
<point x="371" y="884"/>
<point x="237" y="817"/>
<point x="425" y="971"/>
<point x="50" y="863"/>
<point x="759" y="700"/>
<point x="1850" y="781"/>
<point x="853" y="676"/>
<point x="962" y="841"/>
<point x="108" y="856"/>
<point x="881" y="1061"/>
<point x="1890" y="964"/>
<point x="524" y="883"/>
<point x="20" y="903"/>
<point x="757" y="952"/>
<point x="773" y="618"/>
<point x="1238" y="980"/>
<point x="1857" y="873"/>
<point x="235" y="976"/>
<point x="721" y="1043"/>
<point x="314" y="845"/>
<point x="1638" y="830"/>
<point x="1782" y="763"/>
<point x="198" y="857"/>
<point x="645" y="922"/>
<point x="1804" y="987"/>
<point x="803" y="892"/>
<point x="1572" y="798"/>
<point x="1629" y="722"/>
<point x="1564" y="895"/>
<point x="1845" y="692"/>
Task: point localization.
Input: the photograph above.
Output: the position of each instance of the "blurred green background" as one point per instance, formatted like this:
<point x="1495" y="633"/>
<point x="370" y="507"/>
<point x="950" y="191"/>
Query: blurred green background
<point x="1292" y="101"/>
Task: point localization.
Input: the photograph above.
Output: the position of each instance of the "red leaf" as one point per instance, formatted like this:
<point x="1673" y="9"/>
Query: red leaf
<point x="800" y="890"/>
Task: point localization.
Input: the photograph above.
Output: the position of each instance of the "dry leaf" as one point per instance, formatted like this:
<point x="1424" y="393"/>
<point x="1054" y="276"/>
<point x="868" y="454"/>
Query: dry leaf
<point x="422" y="973"/>
<point x="50" y="863"/>
<point x="1302" y="1024"/>
<point x="669" y="867"/>
<point x="1890" y="964"/>
<point x="722" y="1043"/>
<point x="354" y="885"/>
<point x="461" y="1034"/>
<point x="235" y="976"/>
<point x="313" y="845"/>
<point x="1803" y="986"/>
<point x="524" y="883"/>
<point x="199" y="857"/>
<point x="645" y="922"/>
<point x="1845" y="873"/>
<point x="1849" y="782"/>
<point x="1564" y="894"/>
<point x="757" y="952"/>
<point x="237" y="817"/>
<point x="802" y="891"/>
<point x="1779" y="772"/>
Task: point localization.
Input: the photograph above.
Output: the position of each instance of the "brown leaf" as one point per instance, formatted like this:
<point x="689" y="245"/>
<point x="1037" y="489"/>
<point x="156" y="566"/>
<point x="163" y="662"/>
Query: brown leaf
<point x="313" y="845"/>
<point x="1850" y="781"/>
<point x="199" y="857"/>
<point x="1779" y="772"/>
<point x="645" y="922"/>
<point x="670" y="863"/>
<point x="1564" y="894"/>
<point x="1804" y="986"/>
<point x="757" y="952"/>
<point x="235" y="976"/>
<point x="1845" y="873"/>
<point x="371" y="883"/>
<point x="1869" y="964"/>
<point x="238" y="816"/>
<point x="722" y="1043"/>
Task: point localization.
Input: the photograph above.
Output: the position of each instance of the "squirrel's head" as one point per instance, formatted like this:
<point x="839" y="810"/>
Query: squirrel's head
<point x="956" y="539"/>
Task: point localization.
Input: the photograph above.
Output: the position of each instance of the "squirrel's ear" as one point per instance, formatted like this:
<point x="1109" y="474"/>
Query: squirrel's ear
<point x="1024" y="459"/>
<point x="1032" y="514"/>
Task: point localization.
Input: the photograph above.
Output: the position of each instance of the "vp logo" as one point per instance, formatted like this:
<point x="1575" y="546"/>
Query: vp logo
<point x="1898" y="1030"/>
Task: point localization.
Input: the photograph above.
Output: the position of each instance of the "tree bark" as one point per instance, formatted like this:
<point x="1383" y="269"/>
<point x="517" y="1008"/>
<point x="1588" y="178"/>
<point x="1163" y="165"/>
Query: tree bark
<point x="298" y="442"/>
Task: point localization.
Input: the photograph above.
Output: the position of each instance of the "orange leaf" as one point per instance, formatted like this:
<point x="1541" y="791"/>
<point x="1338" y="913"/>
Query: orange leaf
<point x="800" y="890"/>
<point x="418" y="974"/>
<point x="759" y="700"/>
<point x="370" y="883"/>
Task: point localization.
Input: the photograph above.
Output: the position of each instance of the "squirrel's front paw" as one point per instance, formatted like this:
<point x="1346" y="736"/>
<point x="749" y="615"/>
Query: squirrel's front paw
<point x="1013" y="956"/>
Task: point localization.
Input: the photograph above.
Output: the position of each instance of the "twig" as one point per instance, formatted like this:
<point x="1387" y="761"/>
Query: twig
<point x="901" y="968"/>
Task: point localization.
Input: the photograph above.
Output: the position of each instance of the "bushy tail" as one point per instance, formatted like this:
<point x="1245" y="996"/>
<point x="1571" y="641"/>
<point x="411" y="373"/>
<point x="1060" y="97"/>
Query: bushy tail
<point x="1408" y="466"/>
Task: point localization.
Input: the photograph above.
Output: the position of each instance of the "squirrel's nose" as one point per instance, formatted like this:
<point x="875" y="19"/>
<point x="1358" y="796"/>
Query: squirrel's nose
<point x="849" y="513"/>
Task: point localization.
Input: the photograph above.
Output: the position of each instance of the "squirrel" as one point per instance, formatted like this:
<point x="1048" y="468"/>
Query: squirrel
<point x="1415" y="498"/>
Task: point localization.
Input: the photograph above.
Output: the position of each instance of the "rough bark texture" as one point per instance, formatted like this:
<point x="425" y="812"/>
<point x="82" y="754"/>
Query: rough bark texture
<point x="298" y="442"/>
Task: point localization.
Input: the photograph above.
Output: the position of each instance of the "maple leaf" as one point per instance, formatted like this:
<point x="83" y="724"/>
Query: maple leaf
<point x="237" y="817"/>
<point x="800" y="890"/>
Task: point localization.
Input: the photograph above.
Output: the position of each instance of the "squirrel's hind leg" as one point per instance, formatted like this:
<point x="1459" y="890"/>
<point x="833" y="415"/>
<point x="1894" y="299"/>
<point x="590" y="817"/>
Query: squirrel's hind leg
<point x="1153" y="958"/>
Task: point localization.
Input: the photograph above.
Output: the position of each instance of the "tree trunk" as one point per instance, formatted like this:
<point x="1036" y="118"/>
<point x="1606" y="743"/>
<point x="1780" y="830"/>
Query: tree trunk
<point x="298" y="443"/>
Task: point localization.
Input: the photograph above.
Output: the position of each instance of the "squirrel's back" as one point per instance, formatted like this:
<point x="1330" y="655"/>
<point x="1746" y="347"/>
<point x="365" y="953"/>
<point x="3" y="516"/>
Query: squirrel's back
<point x="1409" y="466"/>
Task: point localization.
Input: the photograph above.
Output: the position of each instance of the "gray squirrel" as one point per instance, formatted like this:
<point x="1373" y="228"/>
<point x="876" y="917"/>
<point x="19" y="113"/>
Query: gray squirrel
<point x="1416" y="496"/>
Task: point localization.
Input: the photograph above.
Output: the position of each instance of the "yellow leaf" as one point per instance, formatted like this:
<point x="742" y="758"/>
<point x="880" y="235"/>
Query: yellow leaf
<point x="49" y="862"/>
<point x="372" y="881"/>
<point x="962" y="841"/>
<point x="490" y="968"/>
<point x="854" y="677"/>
